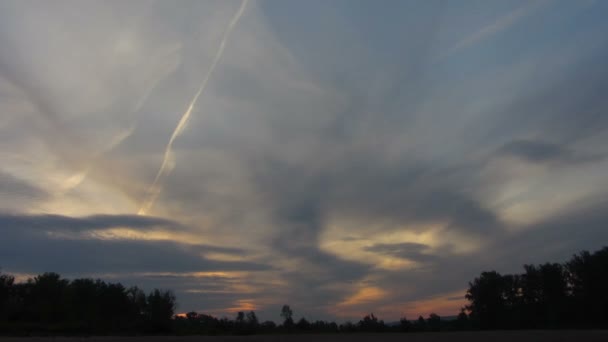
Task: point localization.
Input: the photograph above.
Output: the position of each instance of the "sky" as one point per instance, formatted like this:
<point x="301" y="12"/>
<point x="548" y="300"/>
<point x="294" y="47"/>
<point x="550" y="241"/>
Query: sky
<point x="343" y="157"/>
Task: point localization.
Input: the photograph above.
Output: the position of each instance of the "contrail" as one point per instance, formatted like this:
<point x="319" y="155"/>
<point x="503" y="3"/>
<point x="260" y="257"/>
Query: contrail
<point x="499" y="25"/>
<point x="154" y="189"/>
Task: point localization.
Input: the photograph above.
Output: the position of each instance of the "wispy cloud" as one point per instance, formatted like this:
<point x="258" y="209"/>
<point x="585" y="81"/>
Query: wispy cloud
<point x="499" y="25"/>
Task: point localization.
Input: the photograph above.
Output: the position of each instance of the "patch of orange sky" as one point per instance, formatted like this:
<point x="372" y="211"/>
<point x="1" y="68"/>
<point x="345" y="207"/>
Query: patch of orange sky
<point x="448" y="304"/>
<point x="368" y="300"/>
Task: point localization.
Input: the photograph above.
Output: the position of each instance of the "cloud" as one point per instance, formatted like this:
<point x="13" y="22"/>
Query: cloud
<point x="31" y="245"/>
<point x="14" y="188"/>
<point x="61" y="222"/>
<point x="17" y="194"/>
<point x="407" y="250"/>
<point x="578" y="227"/>
<point x="540" y="151"/>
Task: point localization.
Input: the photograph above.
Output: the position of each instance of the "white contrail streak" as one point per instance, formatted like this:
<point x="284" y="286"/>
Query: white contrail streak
<point x="501" y="24"/>
<point x="166" y="166"/>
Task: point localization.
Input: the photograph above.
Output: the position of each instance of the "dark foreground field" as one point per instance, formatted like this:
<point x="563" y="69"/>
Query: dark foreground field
<point x="490" y="336"/>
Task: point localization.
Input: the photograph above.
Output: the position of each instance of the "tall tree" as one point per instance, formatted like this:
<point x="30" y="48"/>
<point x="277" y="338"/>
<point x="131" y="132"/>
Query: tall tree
<point x="588" y="280"/>
<point x="48" y="297"/>
<point x="287" y="314"/>
<point x="160" y="309"/>
<point x="6" y="289"/>
<point x="488" y="297"/>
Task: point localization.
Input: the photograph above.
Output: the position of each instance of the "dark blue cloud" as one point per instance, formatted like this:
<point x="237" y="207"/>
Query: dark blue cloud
<point x="14" y="189"/>
<point x="541" y="151"/>
<point x="30" y="245"/>
<point x="60" y="222"/>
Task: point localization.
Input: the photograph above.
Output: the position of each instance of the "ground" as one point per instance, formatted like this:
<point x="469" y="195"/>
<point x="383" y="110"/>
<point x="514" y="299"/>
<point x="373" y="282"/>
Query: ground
<point x="491" y="336"/>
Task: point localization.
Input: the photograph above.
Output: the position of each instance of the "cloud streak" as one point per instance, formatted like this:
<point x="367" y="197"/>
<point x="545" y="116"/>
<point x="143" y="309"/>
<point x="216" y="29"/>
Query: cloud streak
<point x="501" y="24"/>
<point x="165" y="167"/>
<point x="540" y="151"/>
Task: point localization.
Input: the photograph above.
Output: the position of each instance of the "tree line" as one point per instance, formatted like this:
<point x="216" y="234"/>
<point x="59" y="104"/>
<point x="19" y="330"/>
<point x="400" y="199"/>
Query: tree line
<point x="573" y="294"/>
<point x="248" y="323"/>
<point x="49" y="304"/>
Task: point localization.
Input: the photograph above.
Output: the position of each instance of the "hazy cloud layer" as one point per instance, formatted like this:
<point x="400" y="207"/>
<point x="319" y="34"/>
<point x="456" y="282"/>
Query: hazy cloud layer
<point x="344" y="157"/>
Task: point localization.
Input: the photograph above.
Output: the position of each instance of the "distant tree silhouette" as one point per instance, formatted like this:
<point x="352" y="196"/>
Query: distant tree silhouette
<point x="434" y="322"/>
<point x="420" y="324"/>
<point x="348" y="327"/>
<point x="371" y="323"/>
<point x="303" y="325"/>
<point x="462" y="321"/>
<point x="287" y="314"/>
<point x="240" y="318"/>
<point x="268" y="326"/>
<point x="252" y="319"/>
<point x="404" y="324"/>
<point x="324" y="327"/>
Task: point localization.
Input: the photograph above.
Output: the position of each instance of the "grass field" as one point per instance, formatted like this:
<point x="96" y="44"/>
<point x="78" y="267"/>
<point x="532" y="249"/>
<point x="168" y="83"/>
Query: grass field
<point x="489" y="336"/>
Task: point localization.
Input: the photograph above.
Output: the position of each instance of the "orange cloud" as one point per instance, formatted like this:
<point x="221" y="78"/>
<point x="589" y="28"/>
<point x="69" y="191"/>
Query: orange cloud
<point x="358" y="304"/>
<point x="242" y="305"/>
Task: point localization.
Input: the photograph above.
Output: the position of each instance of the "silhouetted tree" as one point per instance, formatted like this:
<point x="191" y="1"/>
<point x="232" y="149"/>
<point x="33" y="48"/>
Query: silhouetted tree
<point x="434" y="322"/>
<point x="252" y="319"/>
<point x="462" y="321"/>
<point x="347" y="326"/>
<point x="549" y="295"/>
<point x="325" y="327"/>
<point x="48" y="297"/>
<point x="420" y="324"/>
<point x="588" y="280"/>
<point x="303" y="325"/>
<point x="159" y="310"/>
<point x="51" y="304"/>
<point x="286" y="314"/>
<point x="487" y="295"/>
<point x="83" y="303"/>
<point x="6" y="289"/>
<point x="137" y="303"/>
<point x="268" y="326"/>
<point x="240" y="318"/>
<point x="404" y="324"/>
<point x="371" y="323"/>
<point x="544" y="294"/>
